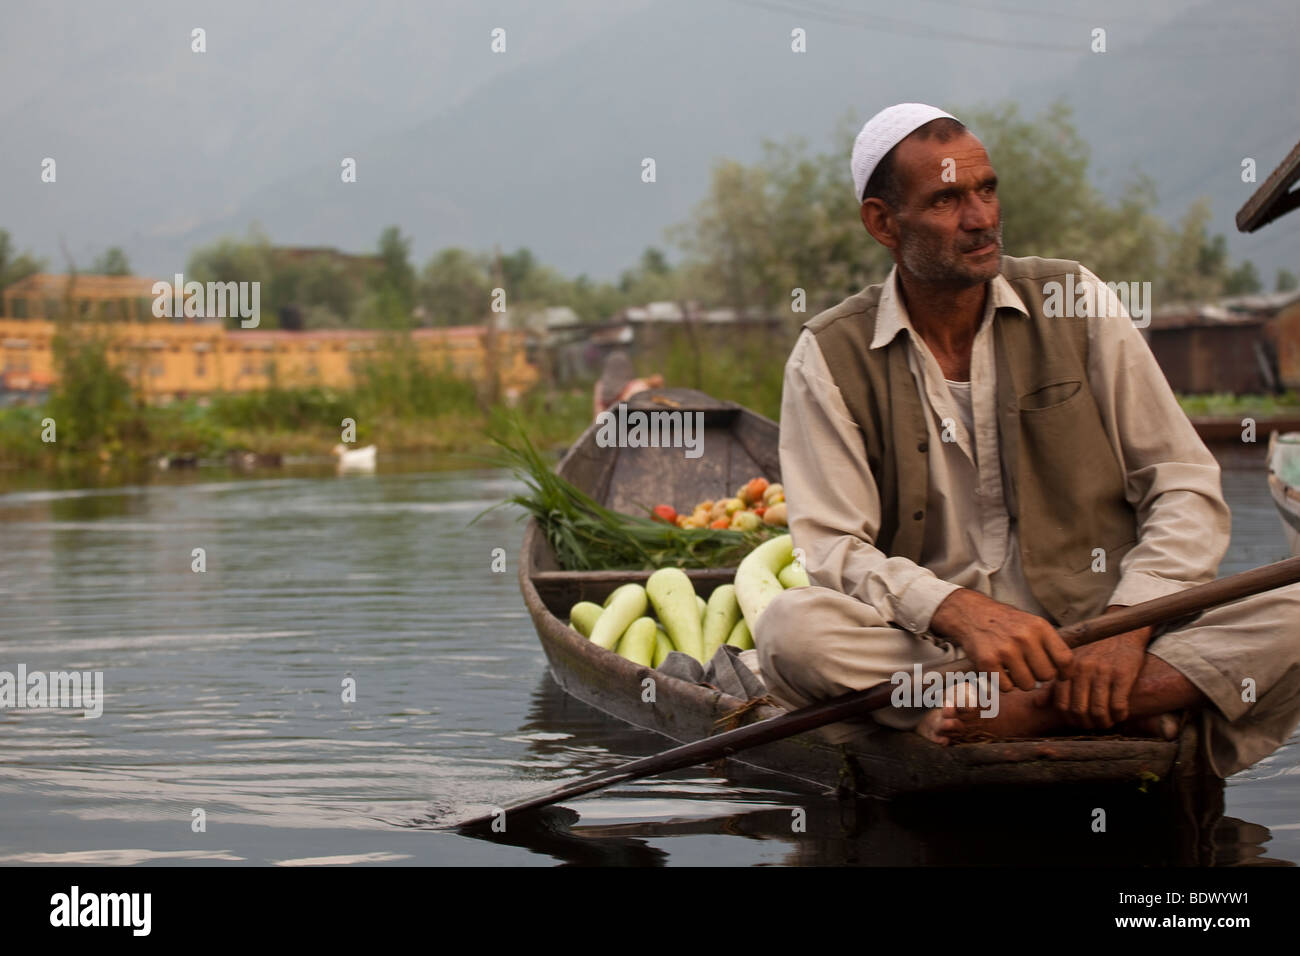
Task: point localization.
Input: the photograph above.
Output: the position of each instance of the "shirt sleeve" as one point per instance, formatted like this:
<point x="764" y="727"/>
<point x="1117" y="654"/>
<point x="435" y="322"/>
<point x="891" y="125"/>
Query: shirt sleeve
<point x="833" y="504"/>
<point x="1171" y="479"/>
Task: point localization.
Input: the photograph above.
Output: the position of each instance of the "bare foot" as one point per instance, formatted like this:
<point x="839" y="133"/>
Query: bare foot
<point x="1026" y="714"/>
<point x="1019" y="714"/>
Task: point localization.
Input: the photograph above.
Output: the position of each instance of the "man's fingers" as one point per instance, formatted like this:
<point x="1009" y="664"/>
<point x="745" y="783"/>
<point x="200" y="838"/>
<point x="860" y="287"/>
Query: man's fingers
<point x="1099" y="702"/>
<point x="1020" y="673"/>
<point x="1119" y="699"/>
<point x="988" y="664"/>
<point x="1039" y="662"/>
<point x="1079" y="688"/>
<point x="1059" y="652"/>
<point x="1061" y="695"/>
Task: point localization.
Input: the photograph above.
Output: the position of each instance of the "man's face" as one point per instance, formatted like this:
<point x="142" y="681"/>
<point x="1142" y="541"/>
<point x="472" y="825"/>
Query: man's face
<point x="950" y="222"/>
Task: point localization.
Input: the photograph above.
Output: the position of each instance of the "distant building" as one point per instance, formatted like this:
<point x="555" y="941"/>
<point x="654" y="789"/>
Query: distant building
<point x="194" y="357"/>
<point x="569" y="351"/>
<point x="128" y="298"/>
<point x="1277" y="196"/>
<point x="1244" y="345"/>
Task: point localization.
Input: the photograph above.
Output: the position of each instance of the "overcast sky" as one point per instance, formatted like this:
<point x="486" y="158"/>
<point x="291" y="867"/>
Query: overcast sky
<point x="159" y="148"/>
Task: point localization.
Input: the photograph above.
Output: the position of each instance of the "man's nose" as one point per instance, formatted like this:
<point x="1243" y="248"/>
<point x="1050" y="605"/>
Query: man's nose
<point x="978" y="215"/>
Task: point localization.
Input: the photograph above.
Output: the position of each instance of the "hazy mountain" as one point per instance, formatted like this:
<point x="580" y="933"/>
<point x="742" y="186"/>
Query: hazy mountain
<point x="160" y="149"/>
<point x="1186" y="103"/>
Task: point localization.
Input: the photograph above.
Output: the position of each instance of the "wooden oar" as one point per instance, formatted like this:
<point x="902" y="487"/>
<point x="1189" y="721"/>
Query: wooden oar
<point x="858" y="703"/>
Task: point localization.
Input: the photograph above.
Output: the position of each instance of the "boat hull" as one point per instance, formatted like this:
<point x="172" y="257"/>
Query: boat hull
<point x="863" y="759"/>
<point x="1286" y="497"/>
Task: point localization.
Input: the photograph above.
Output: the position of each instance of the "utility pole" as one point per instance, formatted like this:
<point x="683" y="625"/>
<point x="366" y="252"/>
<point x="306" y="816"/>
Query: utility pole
<point x="493" y="391"/>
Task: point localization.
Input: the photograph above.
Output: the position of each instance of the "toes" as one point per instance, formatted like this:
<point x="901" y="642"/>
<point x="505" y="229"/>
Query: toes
<point x="1168" y="726"/>
<point x="929" y="726"/>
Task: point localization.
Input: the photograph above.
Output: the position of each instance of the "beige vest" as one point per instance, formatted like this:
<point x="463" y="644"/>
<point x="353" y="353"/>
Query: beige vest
<point x="1064" y="485"/>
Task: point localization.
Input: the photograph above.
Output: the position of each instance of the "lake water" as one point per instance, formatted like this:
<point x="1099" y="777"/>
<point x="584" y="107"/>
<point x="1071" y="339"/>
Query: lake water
<point x="224" y="694"/>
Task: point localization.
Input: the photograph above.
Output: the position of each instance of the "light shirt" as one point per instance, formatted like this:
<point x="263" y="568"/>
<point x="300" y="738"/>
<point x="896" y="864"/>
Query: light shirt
<point x="970" y="539"/>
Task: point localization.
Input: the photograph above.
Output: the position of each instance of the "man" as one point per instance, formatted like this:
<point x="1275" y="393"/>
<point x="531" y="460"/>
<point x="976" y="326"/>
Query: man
<point x="965" y="471"/>
<point x="618" y="383"/>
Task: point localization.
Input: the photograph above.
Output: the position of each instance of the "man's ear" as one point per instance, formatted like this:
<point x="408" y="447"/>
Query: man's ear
<point x="880" y="221"/>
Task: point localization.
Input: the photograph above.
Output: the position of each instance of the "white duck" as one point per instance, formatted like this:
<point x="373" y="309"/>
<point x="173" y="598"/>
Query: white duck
<point x="355" y="459"/>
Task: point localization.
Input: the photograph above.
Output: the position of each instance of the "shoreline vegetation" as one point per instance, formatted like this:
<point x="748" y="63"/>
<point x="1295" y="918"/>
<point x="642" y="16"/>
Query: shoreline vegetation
<point x="105" y="434"/>
<point x="763" y="237"/>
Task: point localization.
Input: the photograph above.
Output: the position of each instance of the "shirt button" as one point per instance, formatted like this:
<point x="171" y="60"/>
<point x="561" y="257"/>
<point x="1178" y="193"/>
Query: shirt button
<point x="924" y="446"/>
<point x="918" y="516"/>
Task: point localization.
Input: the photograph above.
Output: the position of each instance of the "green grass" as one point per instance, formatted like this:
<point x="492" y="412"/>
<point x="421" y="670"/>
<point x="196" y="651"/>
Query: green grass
<point x="1226" y="405"/>
<point x="399" y="403"/>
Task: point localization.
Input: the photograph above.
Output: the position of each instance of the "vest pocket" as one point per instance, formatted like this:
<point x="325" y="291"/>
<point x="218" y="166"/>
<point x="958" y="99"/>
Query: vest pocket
<point x="1087" y="592"/>
<point x="1071" y="492"/>
<point x="1050" y="395"/>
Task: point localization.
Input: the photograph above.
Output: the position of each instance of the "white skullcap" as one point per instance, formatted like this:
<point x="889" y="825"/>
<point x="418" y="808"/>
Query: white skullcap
<point x="882" y="133"/>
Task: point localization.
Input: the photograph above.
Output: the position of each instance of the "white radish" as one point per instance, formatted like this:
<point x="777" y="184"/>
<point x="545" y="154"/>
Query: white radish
<point x="793" y="576"/>
<point x="583" y="617"/>
<point x="638" y="643"/>
<point x="673" y="597"/>
<point x="625" y="605"/>
<point x="740" y="636"/>
<point x="721" y="616"/>
<point x="756" y="580"/>
<point x="663" y="646"/>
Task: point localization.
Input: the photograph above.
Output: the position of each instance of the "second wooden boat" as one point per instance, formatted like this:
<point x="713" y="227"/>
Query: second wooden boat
<point x="1284" y="483"/>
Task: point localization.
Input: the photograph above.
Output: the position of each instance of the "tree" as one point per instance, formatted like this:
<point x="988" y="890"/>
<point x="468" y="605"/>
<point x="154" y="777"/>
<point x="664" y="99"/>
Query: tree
<point x="653" y="280"/>
<point x="653" y="262"/>
<point x="516" y="269"/>
<point x="394" y="283"/>
<point x="1286" y="280"/>
<point x="14" y="266"/>
<point x="455" y="288"/>
<point x="111" y="262"/>
<point x="730" y="238"/>
<point x="1196" y="264"/>
<point x="790" y="221"/>
<point x="93" y="402"/>
<point x="249" y="260"/>
<point x="595" y="301"/>
<point x="327" y="292"/>
<point x="1244" y="280"/>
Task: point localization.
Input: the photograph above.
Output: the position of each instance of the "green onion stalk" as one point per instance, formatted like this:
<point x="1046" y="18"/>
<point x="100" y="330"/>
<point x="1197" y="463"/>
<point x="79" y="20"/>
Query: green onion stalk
<point x="587" y="536"/>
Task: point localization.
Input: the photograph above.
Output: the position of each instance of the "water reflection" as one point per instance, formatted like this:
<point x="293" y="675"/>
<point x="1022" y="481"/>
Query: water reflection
<point x="1013" y="828"/>
<point x="223" y="693"/>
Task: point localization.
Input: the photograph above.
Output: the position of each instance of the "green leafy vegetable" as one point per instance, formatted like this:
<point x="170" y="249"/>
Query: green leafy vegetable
<point x="587" y="536"/>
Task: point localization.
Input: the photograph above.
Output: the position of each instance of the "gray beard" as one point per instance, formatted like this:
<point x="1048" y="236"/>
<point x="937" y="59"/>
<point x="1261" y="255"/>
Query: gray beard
<point x="931" y="265"/>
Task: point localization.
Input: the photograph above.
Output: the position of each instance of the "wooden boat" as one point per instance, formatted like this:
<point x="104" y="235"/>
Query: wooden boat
<point x="876" y="762"/>
<point x="1284" y="483"/>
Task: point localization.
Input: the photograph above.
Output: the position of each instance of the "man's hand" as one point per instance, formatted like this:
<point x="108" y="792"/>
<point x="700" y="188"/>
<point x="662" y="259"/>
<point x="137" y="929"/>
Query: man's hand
<point x="1003" y="640"/>
<point x="1096" y="694"/>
